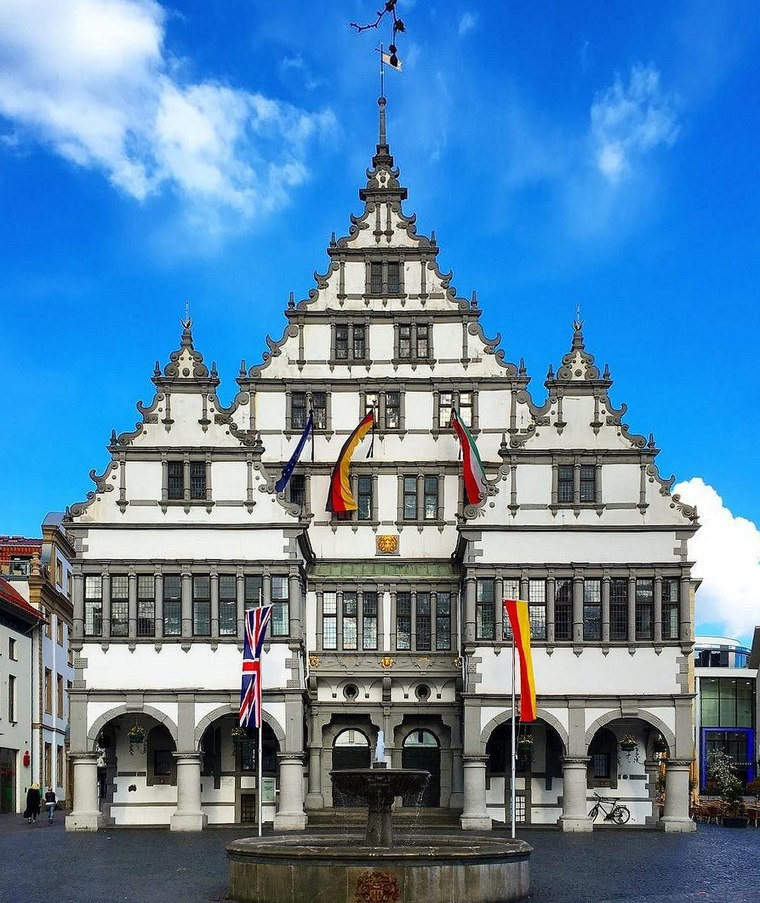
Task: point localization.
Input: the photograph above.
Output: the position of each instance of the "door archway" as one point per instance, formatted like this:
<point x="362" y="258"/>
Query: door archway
<point x="351" y="749"/>
<point x="421" y="750"/>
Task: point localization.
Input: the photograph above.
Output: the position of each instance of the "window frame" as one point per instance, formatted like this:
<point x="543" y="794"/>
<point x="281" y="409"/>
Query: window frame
<point x="377" y="400"/>
<point x="581" y="480"/>
<point x="93" y="605"/>
<point x="377" y="278"/>
<point x="414" y="332"/>
<point x="353" y="334"/>
<point x="313" y="398"/>
<point x="470" y="420"/>
<point x="119" y="605"/>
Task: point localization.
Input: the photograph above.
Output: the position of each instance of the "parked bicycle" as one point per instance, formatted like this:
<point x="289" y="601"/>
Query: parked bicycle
<point x="613" y="810"/>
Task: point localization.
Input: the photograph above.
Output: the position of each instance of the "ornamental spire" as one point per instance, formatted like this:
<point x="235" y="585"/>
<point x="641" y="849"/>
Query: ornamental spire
<point x="382" y="178"/>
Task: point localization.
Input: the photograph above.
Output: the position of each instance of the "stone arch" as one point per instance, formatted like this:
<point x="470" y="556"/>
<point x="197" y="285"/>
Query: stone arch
<point x="541" y="715"/>
<point x="102" y="720"/>
<point x="230" y="708"/>
<point x="641" y="715"/>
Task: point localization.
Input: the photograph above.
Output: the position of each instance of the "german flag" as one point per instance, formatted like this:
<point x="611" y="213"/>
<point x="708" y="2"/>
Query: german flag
<point x="520" y="621"/>
<point x="340" y="498"/>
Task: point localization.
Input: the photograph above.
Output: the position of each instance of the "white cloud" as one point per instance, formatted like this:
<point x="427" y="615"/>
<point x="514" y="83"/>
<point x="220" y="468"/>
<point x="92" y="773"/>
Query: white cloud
<point x="91" y="79"/>
<point x="726" y="551"/>
<point x="467" y="23"/>
<point x="629" y="121"/>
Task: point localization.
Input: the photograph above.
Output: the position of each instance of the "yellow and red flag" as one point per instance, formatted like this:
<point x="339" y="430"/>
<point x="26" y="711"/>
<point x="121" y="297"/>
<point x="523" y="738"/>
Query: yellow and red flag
<point x="340" y="498"/>
<point x="517" y="612"/>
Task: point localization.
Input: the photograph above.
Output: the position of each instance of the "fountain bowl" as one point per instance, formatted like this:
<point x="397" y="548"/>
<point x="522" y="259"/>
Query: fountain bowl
<point x="309" y="868"/>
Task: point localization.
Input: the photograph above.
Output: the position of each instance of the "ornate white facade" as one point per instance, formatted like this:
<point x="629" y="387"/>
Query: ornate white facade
<point x="388" y="619"/>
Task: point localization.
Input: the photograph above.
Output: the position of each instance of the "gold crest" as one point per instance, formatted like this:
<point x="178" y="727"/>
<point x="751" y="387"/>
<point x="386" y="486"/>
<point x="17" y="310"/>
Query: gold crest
<point x="376" y="887"/>
<point x="387" y="544"/>
<point x="386" y="661"/>
<point x="314" y="661"/>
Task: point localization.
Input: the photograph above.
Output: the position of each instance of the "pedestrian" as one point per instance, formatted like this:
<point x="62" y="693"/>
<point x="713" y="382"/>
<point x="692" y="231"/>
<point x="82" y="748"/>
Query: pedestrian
<point x="33" y="800"/>
<point x="50" y="803"/>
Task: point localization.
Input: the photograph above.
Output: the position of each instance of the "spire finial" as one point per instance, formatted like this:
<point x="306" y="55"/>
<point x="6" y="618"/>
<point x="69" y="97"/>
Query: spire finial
<point x="382" y="137"/>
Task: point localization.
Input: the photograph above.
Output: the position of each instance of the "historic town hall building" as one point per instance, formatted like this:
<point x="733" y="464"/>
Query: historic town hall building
<point x="390" y="617"/>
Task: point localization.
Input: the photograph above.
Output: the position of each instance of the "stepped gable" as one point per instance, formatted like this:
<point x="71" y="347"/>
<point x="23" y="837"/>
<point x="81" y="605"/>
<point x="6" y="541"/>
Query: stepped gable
<point x="578" y="378"/>
<point x="185" y="375"/>
<point x="380" y="231"/>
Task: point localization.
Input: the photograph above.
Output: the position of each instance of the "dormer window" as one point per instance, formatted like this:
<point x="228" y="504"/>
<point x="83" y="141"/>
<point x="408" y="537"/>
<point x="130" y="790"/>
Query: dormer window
<point x="186" y="480"/>
<point x="300" y="405"/>
<point x="463" y="402"/>
<point x="385" y="277"/>
<point x="576" y="484"/>
<point x="413" y="342"/>
<point x="349" y="343"/>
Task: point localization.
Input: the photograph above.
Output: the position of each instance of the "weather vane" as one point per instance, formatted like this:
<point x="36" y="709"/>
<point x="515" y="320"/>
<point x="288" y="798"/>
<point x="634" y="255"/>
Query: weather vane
<point x="390" y="58"/>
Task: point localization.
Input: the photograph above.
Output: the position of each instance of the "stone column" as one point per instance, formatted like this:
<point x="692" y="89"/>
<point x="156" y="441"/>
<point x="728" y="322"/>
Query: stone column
<point x="188" y="815"/>
<point x="574" y="812"/>
<point x="475" y="815"/>
<point x="77" y="628"/>
<point x="676" y="817"/>
<point x="85" y="815"/>
<point x="290" y="815"/>
<point x="456" y="800"/>
<point x="314" y="798"/>
<point x="652" y="769"/>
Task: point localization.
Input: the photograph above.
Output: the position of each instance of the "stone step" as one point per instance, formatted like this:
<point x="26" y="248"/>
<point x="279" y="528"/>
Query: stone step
<point x="406" y="817"/>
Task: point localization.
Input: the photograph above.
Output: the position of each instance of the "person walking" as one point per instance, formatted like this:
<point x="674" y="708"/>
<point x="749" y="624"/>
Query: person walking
<point x="33" y="800"/>
<point x="50" y="803"/>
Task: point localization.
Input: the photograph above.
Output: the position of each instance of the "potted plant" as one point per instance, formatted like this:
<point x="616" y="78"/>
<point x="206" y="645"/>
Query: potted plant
<point x="720" y="770"/>
<point x="136" y="734"/>
<point x="525" y="746"/>
<point x="628" y="743"/>
<point x="659" y="744"/>
<point x="238" y="735"/>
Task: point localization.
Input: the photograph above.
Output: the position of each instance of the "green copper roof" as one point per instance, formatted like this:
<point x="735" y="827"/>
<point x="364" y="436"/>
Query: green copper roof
<point x="385" y="568"/>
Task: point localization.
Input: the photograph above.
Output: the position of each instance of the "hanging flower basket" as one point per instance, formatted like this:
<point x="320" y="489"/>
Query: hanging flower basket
<point x="525" y="744"/>
<point x="239" y="735"/>
<point x="659" y="744"/>
<point x="136" y="734"/>
<point x="628" y="743"/>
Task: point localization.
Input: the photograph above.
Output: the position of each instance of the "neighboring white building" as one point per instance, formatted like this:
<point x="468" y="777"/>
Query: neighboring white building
<point x="19" y="627"/>
<point x="389" y="618"/>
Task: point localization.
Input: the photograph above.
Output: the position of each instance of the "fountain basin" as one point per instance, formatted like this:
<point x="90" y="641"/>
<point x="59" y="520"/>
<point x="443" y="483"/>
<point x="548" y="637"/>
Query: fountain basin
<point x="312" y="868"/>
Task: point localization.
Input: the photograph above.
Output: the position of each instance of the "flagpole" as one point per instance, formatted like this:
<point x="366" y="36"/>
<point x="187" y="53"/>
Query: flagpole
<point x="259" y="777"/>
<point x="514" y="747"/>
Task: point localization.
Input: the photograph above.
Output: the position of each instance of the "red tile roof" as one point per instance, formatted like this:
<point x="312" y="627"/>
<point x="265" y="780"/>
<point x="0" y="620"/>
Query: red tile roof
<point x="13" y="597"/>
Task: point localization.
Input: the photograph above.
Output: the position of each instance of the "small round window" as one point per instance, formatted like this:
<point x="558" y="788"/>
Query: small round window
<point x="350" y="691"/>
<point x="422" y="692"/>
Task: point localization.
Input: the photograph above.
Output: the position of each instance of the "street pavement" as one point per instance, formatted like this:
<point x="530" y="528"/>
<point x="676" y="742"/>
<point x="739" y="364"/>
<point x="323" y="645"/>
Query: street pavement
<point x="44" y="863"/>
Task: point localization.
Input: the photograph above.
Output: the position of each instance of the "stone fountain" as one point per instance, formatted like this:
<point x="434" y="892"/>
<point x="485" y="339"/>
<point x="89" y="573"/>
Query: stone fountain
<point x="306" y="868"/>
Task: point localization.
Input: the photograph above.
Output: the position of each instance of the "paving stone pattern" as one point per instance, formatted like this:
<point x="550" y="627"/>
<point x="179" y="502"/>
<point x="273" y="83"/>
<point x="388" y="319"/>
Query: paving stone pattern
<point x="43" y="863"/>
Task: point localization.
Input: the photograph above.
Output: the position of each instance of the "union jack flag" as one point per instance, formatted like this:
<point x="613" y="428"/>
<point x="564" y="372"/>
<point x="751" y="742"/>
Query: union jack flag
<point x="256" y="622"/>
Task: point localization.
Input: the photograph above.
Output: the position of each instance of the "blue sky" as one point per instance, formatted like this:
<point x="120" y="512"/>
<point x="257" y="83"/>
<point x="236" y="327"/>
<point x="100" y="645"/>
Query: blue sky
<point x="594" y="153"/>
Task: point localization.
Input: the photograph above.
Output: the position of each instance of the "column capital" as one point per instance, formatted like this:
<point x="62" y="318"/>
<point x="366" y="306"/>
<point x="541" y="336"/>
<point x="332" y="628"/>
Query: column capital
<point x="290" y="757"/>
<point x="188" y="756"/>
<point x="678" y="763"/>
<point x="84" y="757"/>
<point x="576" y="761"/>
<point x="475" y="760"/>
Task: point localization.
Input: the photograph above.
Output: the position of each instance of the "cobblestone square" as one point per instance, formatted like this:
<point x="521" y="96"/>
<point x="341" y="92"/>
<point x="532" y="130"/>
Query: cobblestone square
<point x="42" y="863"/>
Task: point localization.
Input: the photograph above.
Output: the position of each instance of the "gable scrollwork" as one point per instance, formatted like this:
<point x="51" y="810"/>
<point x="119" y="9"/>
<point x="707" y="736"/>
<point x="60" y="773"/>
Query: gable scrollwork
<point x="102" y="485"/>
<point x="275" y="346"/>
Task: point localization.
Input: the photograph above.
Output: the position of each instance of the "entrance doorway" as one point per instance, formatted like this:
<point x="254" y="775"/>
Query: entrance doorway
<point x="350" y="750"/>
<point x="421" y="750"/>
<point x="7" y="780"/>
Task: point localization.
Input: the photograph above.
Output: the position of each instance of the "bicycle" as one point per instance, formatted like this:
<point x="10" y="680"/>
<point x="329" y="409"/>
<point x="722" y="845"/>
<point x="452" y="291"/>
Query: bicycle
<point x="613" y="811"/>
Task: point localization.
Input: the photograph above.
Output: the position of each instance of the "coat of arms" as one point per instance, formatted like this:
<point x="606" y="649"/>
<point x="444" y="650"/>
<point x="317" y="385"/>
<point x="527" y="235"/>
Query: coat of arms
<point x="387" y="543"/>
<point x="376" y="887"/>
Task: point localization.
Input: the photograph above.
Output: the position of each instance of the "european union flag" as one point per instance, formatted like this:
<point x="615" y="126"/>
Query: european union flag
<point x="287" y="470"/>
